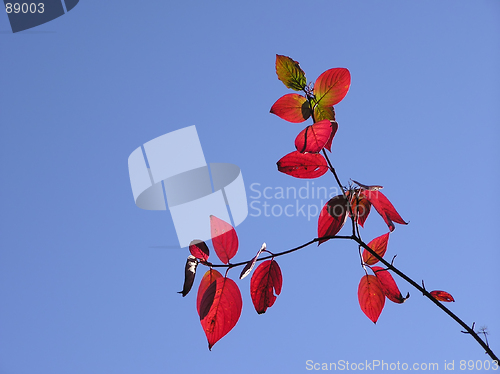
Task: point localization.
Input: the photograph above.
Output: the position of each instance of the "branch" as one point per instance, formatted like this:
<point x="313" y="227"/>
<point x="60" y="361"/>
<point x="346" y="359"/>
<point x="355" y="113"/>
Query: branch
<point x="390" y="266"/>
<point x="469" y="330"/>
<point x="357" y="238"/>
<point x="230" y="266"/>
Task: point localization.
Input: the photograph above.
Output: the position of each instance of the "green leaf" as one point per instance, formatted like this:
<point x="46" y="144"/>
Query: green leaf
<point x="321" y="112"/>
<point x="290" y="73"/>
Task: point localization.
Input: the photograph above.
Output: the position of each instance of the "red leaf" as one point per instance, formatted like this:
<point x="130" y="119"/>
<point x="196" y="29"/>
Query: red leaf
<point x="292" y="107"/>
<point x="389" y="286"/>
<point x="209" y="277"/>
<point x="332" y="86"/>
<point x="290" y="73"/>
<point x="189" y="274"/>
<point x="220" y="309"/>
<point x="371" y="297"/>
<point x="199" y="249"/>
<point x="334" y="126"/>
<point x="360" y="208"/>
<point x="379" y="245"/>
<point x="250" y="264"/>
<point x="266" y="277"/>
<point x="224" y="239"/>
<point x="313" y="138"/>
<point x="332" y="217"/>
<point x="384" y="207"/>
<point x="442" y="296"/>
<point x="303" y="165"/>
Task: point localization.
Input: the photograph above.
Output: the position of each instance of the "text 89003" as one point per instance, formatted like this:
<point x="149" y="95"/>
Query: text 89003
<point x="24" y="8"/>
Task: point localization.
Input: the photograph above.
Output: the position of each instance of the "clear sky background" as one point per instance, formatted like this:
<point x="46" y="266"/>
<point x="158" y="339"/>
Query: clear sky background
<point x="88" y="281"/>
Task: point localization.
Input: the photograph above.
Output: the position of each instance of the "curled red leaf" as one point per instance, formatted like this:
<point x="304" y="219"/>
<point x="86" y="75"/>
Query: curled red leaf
<point x="224" y="239"/>
<point x="290" y="73"/>
<point x="371" y="297"/>
<point x="220" y="309"/>
<point x="189" y="274"/>
<point x="389" y="286"/>
<point x="379" y="245"/>
<point x="303" y="165"/>
<point x="334" y="125"/>
<point x="360" y="208"/>
<point x="292" y="108"/>
<point x="208" y="278"/>
<point x="250" y="264"/>
<point x="314" y="137"/>
<point x="442" y="296"/>
<point x="384" y="207"/>
<point x="332" y="217"/>
<point x="266" y="278"/>
<point x="199" y="249"/>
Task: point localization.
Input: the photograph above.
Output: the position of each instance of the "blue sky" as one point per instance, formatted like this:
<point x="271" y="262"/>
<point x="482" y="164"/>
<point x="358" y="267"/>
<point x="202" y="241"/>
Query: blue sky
<point x="86" y="283"/>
